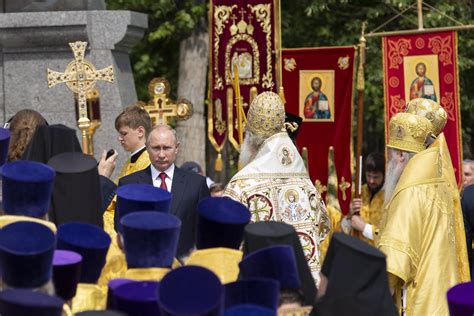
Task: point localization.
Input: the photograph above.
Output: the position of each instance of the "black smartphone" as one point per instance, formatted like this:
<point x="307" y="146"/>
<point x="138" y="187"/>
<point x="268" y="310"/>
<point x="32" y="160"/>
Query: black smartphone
<point x="109" y="154"/>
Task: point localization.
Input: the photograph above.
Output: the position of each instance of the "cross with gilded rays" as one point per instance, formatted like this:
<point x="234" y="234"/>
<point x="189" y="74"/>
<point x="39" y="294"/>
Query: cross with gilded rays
<point x="160" y="108"/>
<point x="80" y="77"/>
<point x="343" y="187"/>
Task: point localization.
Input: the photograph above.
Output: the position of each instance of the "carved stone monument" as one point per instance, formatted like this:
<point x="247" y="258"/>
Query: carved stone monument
<point x="32" y="42"/>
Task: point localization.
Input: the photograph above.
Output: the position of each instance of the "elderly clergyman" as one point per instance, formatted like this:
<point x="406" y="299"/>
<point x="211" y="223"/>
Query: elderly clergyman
<point x="418" y="233"/>
<point x="273" y="182"/>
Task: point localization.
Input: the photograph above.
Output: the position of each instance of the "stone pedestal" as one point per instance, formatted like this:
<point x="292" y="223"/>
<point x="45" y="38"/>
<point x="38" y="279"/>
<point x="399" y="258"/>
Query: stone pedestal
<point x="31" y="43"/>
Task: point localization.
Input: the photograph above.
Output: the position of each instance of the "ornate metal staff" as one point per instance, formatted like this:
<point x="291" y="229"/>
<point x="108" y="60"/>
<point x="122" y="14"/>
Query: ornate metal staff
<point x="80" y="77"/>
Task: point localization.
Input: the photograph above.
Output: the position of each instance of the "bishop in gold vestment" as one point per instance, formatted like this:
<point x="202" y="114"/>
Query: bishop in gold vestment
<point x="438" y="117"/>
<point x="418" y="234"/>
<point x="274" y="183"/>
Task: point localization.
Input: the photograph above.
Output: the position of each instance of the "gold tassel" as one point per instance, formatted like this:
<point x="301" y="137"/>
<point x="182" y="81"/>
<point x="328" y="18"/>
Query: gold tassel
<point x="218" y="163"/>
<point x="281" y="94"/>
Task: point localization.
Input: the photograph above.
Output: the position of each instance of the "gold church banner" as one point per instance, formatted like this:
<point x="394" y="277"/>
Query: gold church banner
<point x="242" y="33"/>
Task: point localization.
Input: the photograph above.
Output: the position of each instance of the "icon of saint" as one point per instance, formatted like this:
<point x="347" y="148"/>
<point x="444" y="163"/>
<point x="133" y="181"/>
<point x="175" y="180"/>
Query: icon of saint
<point x="422" y="86"/>
<point x="316" y="104"/>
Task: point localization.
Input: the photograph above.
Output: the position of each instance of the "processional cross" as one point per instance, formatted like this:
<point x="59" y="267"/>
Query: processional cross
<point x="80" y="77"/>
<point x="160" y="108"/>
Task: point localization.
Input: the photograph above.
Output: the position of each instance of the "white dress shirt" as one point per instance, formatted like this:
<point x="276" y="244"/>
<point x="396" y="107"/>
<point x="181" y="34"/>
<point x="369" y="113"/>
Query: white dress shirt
<point x="155" y="175"/>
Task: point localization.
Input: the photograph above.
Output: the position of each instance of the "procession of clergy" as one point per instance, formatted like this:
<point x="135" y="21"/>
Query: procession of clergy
<point x="153" y="242"/>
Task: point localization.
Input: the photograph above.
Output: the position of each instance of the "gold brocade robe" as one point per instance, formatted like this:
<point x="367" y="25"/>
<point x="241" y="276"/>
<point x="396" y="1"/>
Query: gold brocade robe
<point x="141" y="163"/>
<point x="449" y="176"/>
<point x="224" y="262"/>
<point x="115" y="265"/>
<point x="335" y="217"/>
<point x="89" y="297"/>
<point x="418" y="236"/>
<point x="146" y="274"/>
<point x="275" y="186"/>
<point x="371" y="212"/>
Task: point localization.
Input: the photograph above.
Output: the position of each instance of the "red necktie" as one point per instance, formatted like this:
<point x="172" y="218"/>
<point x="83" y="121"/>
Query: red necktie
<point x="163" y="182"/>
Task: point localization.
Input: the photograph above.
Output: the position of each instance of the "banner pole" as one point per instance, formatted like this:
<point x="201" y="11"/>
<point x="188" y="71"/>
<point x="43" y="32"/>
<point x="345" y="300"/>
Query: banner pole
<point x="360" y="111"/>
<point x="417" y="31"/>
<point x="420" y="14"/>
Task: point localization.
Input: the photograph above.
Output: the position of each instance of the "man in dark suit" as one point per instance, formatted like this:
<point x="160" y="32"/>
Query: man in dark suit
<point x="187" y="188"/>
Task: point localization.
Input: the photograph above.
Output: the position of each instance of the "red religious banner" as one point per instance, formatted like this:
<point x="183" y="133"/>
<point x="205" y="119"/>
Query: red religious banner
<point x="318" y="87"/>
<point x="424" y="66"/>
<point x="242" y="33"/>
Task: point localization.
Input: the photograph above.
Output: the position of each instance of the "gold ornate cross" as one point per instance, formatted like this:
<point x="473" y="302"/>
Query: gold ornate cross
<point x="320" y="187"/>
<point x="160" y="108"/>
<point x="343" y="187"/>
<point x="80" y="77"/>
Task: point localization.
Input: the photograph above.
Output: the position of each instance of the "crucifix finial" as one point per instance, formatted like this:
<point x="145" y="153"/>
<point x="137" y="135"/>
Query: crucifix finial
<point x="160" y="108"/>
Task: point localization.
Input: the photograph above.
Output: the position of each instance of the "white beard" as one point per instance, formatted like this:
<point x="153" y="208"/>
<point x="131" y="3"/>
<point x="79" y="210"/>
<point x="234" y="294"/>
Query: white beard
<point x="394" y="171"/>
<point x="247" y="151"/>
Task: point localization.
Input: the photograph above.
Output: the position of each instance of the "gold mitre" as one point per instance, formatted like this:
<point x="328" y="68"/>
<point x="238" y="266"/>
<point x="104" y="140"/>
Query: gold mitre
<point x="409" y="132"/>
<point x="431" y="110"/>
<point x="266" y="114"/>
<point x="224" y="262"/>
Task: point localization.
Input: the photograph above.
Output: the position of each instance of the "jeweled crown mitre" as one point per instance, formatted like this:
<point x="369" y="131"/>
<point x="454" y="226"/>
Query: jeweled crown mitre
<point x="409" y="132"/>
<point x="266" y="114"/>
<point x="430" y="110"/>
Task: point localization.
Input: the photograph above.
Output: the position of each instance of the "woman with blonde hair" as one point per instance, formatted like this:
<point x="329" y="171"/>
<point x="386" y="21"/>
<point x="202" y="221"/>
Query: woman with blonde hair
<point x="22" y="127"/>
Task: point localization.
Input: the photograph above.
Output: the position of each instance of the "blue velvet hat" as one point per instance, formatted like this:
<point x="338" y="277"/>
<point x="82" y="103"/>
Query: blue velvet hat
<point x="221" y="223"/>
<point x="191" y="291"/>
<point x="27" y="187"/>
<point x="262" y="292"/>
<point x="26" y="254"/>
<point x="4" y="142"/>
<point x="91" y="242"/>
<point x="249" y="310"/>
<point x="138" y="298"/>
<point x="20" y="302"/>
<point x="140" y="197"/>
<point x="66" y="273"/>
<point x="111" y="287"/>
<point x="461" y="299"/>
<point x="150" y="239"/>
<point x="275" y="262"/>
<point x="100" y="313"/>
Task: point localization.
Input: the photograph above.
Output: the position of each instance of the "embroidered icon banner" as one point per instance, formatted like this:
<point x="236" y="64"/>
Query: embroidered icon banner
<point x="242" y="33"/>
<point x="424" y="66"/>
<point x="318" y="87"/>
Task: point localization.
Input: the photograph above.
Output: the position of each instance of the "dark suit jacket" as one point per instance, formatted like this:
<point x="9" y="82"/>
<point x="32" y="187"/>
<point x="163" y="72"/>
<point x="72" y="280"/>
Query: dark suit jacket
<point x="187" y="189"/>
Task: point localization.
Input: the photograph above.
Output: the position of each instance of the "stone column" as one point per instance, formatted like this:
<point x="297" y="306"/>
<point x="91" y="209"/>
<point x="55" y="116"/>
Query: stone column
<point x="32" y="42"/>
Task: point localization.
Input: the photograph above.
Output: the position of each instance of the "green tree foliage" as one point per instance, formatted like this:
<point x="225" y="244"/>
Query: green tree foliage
<point x="312" y="23"/>
<point x="169" y="22"/>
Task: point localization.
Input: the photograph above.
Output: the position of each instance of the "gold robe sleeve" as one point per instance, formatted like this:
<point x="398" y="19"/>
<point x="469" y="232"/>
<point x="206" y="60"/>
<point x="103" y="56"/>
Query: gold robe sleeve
<point x="401" y="237"/>
<point x="335" y="217"/>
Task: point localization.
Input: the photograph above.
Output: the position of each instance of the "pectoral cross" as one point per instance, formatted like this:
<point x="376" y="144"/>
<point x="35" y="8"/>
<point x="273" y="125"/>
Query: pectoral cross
<point x="160" y="108"/>
<point x="343" y="187"/>
<point x="80" y="77"/>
